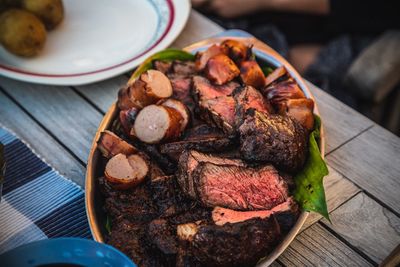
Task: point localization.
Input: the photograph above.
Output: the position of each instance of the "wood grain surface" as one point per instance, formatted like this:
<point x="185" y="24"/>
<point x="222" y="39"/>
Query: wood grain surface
<point x="372" y="161"/>
<point x="318" y="247"/>
<point x="367" y="226"/>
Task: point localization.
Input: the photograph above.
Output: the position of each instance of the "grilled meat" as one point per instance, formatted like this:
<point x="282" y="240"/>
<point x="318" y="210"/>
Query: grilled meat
<point x="204" y="90"/>
<point x="182" y="68"/>
<point x="163" y="66"/>
<point x="279" y="93"/>
<point x="249" y="98"/>
<point x="238" y="244"/>
<point x="301" y="110"/>
<point x="236" y="50"/>
<point x="251" y="74"/>
<point x="285" y="212"/>
<point x="188" y="162"/>
<point x="127" y="118"/>
<point x="111" y="144"/>
<point x="203" y="57"/>
<point x="220" y="69"/>
<point x="239" y="188"/>
<point x="219" y="111"/>
<point x="276" y="139"/>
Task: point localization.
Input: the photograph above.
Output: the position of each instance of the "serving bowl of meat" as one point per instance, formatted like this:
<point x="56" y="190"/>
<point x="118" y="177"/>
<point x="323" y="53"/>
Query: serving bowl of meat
<point x="211" y="156"/>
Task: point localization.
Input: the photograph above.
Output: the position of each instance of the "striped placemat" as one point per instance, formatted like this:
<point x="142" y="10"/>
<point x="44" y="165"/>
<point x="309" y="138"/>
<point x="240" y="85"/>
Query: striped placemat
<point x="38" y="202"/>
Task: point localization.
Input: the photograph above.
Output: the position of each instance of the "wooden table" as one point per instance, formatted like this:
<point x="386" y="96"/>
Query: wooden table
<point x="363" y="187"/>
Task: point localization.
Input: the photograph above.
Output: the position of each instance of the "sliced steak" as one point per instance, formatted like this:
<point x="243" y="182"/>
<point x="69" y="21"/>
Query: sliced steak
<point x="222" y="216"/>
<point x="249" y="98"/>
<point x="205" y="144"/>
<point x="239" y="188"/>
<point x="167" y="165"/>
<point x="276" y="139"/>
<point x="236" y="50"/>
<point x="188" y="162"/>
<point x="238" y="244"/>
<point x="205" y="90"/>
<point x="220" y="112"/>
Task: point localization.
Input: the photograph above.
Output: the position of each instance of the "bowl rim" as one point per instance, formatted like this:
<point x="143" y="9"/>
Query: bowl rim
<point x="262" y="51"/>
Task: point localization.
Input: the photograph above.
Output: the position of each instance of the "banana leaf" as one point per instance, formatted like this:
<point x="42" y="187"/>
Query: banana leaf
<point x="309" y="192"/>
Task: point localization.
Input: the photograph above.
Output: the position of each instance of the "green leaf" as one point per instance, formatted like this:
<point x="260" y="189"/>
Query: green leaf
<point x="165" y="55"/>
<point x="310" y="193"/>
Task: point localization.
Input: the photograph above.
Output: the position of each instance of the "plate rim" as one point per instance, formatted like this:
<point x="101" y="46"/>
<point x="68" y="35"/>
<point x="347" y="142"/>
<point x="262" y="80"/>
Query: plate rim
<point x="179" y="14"/>
<point x="112" y="112"/>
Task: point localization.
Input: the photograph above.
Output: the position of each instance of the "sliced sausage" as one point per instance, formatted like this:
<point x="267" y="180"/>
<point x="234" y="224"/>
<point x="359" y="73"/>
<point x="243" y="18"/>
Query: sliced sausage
<point x="110" y="145"/>
<point x="157" y="123"/>
<point x="124" y="172"/>
<point x="181" y="108"/>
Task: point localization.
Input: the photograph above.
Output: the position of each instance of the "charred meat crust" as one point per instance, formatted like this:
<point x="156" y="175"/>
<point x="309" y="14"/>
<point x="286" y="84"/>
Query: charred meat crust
<point x="276" y="139"/>
<point x="239" y="244"/>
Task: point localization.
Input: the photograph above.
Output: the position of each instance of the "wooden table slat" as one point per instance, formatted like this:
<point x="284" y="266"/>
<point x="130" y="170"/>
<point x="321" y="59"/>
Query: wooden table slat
<point x="341" y="123"/>
<point x="367" y="225"/>
<point x="372" y="162"/>
<point x="63" y="112"/>
<point x="18" y="121"/>
<point x="104" y="93"/>
<point x="318" y="247"/>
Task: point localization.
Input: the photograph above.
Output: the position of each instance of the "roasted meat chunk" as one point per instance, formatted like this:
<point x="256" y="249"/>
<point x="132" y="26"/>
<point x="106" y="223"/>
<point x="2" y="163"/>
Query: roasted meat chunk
<point x="220" y="69"/>
<point x="188" y="162"/>
<point x="163" y="66"/>
<point x="182" y="69"/>
<point x="127" y="118"/>
<point x="278" y="93"/>
<point x="203" y="57"/>
<point x="238" y="244"/>
<point x="239" y="188"/>
<point x="301" y="110"/>
<point x="236" y="50"/>
<point x="251" y="74"/>
<point x="276" y="139"/>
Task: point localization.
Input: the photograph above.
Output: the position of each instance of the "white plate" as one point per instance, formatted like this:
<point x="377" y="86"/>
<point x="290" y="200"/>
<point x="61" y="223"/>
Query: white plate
<point x="99" y="39"/>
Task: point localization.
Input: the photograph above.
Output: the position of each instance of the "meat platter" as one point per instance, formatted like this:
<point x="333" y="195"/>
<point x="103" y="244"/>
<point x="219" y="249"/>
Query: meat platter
<point x="194" y="164"/>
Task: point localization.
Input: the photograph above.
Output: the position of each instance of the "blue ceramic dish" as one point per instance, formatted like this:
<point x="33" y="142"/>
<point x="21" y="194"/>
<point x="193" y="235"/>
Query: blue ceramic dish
<point x="68" y="252"/>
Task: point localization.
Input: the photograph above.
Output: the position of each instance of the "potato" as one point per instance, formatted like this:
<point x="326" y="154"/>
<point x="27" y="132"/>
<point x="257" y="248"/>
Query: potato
<point x="51" y="12"/>
<point x="21" y="32"/>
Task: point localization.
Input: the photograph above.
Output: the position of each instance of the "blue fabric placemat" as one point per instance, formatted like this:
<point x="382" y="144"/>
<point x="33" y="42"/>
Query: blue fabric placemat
<point x="38" y="202"/>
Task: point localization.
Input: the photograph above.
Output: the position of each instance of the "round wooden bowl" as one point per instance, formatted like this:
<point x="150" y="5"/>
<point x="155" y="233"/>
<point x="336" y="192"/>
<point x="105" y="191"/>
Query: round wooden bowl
<point x="95" y="166"/>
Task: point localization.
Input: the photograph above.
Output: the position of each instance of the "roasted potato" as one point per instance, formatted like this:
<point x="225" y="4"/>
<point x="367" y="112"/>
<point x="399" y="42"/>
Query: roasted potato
<point x="21" y="32"/>
<point x="51" y="12"/>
